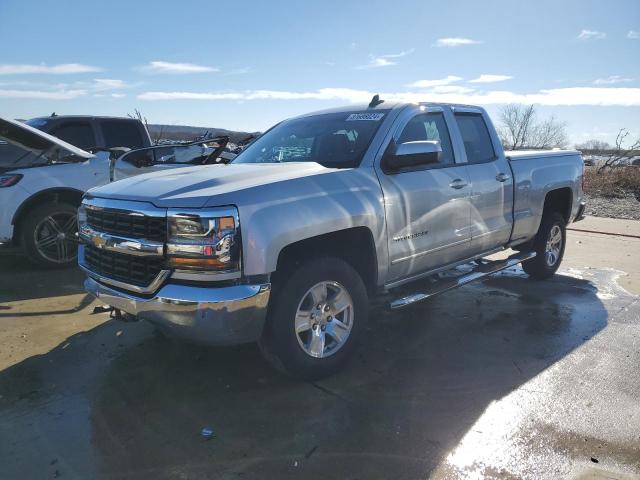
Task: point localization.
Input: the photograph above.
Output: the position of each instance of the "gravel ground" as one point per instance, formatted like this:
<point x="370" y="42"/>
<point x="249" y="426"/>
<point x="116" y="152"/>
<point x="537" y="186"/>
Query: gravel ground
<point x="627" y="208"/>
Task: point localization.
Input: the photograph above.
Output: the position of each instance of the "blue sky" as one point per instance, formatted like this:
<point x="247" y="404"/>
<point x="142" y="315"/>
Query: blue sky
<point x="247" y="65"/>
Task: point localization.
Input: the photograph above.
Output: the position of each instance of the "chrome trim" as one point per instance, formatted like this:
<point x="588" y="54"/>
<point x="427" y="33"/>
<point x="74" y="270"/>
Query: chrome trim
<point x="124" y="245"/>
<point x="205" y="275"/>
<point x="151" y="288"/>
<point x="124" y="206"/>
<point x="215" y="316"/>
<point x="447" y="284"/>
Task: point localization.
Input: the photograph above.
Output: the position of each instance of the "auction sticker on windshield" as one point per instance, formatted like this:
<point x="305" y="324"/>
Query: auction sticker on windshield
<point x="365" y="116"/>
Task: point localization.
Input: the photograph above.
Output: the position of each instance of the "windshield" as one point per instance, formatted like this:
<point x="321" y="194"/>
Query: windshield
<point x="337" y="140"/>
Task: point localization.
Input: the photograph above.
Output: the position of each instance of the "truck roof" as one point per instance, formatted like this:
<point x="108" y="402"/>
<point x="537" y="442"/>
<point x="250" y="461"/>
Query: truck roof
<point x="384" y="106"/>
<point x="83" y="117"/>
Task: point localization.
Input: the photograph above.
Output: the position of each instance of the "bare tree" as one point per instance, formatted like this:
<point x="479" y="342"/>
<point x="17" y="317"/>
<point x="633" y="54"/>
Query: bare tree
<point x="137" y="115"/>
<point x="520" y="129"/>
<point x="621" y="154"/>
<point x="594" y="146"/>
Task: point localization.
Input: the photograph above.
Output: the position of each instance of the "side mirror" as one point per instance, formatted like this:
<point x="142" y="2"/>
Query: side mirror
<point x="412" y="154"/>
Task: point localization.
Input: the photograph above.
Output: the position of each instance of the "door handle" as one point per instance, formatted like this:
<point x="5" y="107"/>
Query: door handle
<point x="458" y="183"/>
<point x="502" y="177"/>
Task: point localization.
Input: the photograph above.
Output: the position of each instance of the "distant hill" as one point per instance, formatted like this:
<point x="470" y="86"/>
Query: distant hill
<point x="185" y="132"/>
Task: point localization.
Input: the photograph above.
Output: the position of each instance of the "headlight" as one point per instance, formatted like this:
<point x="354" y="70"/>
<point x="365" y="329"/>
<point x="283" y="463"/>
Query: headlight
<point x="204" y="240"/>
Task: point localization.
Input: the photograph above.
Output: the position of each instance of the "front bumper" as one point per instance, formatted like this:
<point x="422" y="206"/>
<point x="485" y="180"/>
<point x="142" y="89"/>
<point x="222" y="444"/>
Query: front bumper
<point x="215" y="316"/>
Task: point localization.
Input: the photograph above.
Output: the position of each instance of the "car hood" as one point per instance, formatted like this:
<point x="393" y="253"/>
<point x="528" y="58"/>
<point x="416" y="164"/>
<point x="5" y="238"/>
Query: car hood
<point x="22" y="146"/>
<point x="194" y="187"/>
<point x="34" y="140"/>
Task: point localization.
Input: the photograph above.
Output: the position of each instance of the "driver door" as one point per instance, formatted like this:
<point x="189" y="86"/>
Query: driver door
<point x="427" y="208"/>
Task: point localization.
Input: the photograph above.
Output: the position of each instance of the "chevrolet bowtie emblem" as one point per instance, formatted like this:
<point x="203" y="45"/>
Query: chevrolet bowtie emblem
<point x="98" y="241"/>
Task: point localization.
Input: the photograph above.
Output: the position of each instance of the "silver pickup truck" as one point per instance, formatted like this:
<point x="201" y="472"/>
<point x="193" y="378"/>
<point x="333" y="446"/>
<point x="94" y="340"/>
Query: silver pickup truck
<point x="288" y="244"/>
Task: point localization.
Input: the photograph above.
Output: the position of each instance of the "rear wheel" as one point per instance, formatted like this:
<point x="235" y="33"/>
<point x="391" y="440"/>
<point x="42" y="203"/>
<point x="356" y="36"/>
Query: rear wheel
<point x="316" y="318"/>
<point x="49" y="235"/>
<point x="549" y="247"/>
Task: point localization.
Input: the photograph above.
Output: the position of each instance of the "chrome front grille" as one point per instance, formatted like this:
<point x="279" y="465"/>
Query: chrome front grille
<point x="129" y="269"/>
<point x="123" y="243"/>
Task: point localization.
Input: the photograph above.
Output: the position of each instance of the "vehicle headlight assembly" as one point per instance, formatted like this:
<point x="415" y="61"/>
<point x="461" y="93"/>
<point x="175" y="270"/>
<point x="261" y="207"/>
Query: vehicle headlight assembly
<point x="204" y="240"/>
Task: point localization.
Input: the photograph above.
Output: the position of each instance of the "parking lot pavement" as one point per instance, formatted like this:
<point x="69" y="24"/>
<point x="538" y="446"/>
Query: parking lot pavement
<point x="507" y="378"/>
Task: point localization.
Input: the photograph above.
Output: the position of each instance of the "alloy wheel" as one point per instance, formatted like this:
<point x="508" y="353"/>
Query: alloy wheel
<point x="324" y="319"/>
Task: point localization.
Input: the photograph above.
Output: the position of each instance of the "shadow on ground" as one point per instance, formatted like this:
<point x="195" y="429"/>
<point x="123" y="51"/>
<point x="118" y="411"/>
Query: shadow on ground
<point x="132" y="405"/>
<point x="20" y="280"/>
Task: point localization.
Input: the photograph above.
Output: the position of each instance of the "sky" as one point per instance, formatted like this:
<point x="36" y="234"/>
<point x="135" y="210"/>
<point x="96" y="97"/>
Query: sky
<point x="247" y="65"/>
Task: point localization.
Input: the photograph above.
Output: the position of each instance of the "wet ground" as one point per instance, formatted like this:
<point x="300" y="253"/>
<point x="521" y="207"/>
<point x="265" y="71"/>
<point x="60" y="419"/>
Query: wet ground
<point x="507" y="378"/>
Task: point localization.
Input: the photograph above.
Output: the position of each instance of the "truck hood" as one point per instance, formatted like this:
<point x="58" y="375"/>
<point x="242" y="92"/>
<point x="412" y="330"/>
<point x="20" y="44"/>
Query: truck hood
<point x="31" y="144"/>
<point x="193" y="187"/>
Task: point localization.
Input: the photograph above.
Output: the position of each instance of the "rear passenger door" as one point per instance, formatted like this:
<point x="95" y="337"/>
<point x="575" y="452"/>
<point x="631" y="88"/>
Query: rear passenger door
<point x="491" y="182"/>
<point x="427" y="208"/>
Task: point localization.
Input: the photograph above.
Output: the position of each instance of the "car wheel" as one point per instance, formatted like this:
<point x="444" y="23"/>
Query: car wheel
<point x="549" y="247"/>
<point x="49" y="235"/>
<point x="316" y="318"/>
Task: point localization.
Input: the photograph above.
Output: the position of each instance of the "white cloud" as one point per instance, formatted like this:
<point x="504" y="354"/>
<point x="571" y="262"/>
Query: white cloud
<point x="612" y="79"/>
<point x="43" y="95"/>
<point x="168" y="67"/>
<point x="591" y="34"/>
<point x="61" y="69"/>
<point x="433" y="83"/>
<point x="109" y="84"/>
<point x="455" y="42"/>
<point x="487" y="78"/>
<point x="602" y="96"/>
<point x="633" y="34"/>
<point x="376" y="61"/>
<point x="404" y="53"/>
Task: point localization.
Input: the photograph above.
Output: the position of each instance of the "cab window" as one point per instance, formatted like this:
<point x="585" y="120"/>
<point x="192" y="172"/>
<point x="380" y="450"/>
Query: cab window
<point x="429" y="126"/>
<point x="475" y="135"/>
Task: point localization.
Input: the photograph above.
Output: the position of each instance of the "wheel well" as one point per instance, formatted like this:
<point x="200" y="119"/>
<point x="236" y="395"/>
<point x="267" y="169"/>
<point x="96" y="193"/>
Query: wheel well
<point x="65" y="195"/>
<point x="354" y="245"/>
<point x="560" y="201"/>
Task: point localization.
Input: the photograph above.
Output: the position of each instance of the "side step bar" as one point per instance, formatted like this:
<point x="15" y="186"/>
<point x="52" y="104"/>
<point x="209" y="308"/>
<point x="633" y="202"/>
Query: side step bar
<point x="446" y="284"/>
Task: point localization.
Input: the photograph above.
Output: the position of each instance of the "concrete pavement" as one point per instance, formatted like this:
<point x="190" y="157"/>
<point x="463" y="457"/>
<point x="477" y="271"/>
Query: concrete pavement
<point x="507" y="378"/>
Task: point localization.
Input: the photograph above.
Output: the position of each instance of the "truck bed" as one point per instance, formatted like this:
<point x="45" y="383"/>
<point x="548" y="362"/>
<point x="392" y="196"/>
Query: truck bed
<point x="535" y="173"/>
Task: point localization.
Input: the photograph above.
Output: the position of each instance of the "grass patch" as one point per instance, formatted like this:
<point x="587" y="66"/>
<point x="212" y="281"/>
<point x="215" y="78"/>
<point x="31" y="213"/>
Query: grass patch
<point x="616" y="183"/>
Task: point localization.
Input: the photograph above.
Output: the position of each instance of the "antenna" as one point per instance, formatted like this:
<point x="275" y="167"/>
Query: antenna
<point x="375" y="101"/>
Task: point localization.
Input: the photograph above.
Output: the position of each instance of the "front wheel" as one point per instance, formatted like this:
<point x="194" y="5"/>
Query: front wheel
<point x="316" y="319"/>
<point x="49" y="235"/>
<point x="549" y="247"/>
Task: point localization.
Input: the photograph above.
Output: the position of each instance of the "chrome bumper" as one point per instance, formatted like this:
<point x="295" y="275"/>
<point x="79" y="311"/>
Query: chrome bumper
<point x="214" y="316"/>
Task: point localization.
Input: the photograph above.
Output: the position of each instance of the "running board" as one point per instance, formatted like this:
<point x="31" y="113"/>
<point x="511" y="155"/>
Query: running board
<point x="446" y="284"/>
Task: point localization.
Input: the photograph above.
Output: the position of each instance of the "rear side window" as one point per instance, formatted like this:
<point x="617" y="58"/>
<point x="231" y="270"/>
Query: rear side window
<point x="118" y="133"/>
<point x="475" y="135"/>
<point x="429" y="126"/>
<point x="79" y="134"/>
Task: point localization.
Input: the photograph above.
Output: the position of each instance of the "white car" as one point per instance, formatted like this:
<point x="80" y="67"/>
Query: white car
<point x="43" y="178"/>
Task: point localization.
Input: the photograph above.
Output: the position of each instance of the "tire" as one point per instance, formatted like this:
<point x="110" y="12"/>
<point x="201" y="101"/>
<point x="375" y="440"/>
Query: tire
<point x="548" y="252"/>
<point x="314" y="351"/>
<point x="49" y="235"/>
